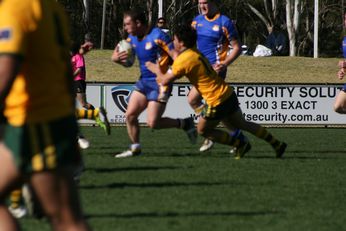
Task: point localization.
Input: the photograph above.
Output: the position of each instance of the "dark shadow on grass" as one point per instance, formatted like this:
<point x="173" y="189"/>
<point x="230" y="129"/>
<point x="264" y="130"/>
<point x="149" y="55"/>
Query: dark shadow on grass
<point x="155" y="185"/>
<point x="184" y="214"/>
<point x="298" y="154"/>
<point x="301" y="155"/>
<point x="144" y="168"/>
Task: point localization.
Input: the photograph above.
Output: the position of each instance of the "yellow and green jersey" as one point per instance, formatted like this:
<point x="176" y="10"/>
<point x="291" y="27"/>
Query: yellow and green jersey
<point x="201" y="75"/>
<point x="36" y="32"/>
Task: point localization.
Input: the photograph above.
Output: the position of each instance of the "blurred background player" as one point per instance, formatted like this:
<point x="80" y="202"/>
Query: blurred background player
<point x="215" y="32"/>
<point x="340" y="101"/>
<point x="39" y="142"/>
<point x="161" y="23"/>
<point x="149" y="44"/>
<point x="78" y="51"/>
<point x="221" y="101"/>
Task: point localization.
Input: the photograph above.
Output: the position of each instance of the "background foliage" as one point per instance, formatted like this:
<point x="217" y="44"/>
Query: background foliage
<point x="252" y="29"/>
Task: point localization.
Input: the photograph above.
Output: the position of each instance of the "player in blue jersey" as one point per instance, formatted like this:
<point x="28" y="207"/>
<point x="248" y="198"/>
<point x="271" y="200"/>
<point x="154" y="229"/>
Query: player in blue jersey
<point x="215" y="32"/>
<point x="340" y="101"/>
<point x="149" y="44"/>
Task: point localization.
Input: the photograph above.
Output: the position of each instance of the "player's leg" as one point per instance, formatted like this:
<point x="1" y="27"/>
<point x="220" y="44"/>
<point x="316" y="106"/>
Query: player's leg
<point x="59" y="198"/>
<point x="9" y="179"/>
<point x="54" y="156"/>
<point x="155" y="120"/>
<point x="80" y="89"/>
<point x="237" y="119"/>
<point x="137" y="104"/>
<point x="340" y="101"/>
<point x="97" y="114"/>
<point x="195" y="101"/>
<point x="158" y="97"/>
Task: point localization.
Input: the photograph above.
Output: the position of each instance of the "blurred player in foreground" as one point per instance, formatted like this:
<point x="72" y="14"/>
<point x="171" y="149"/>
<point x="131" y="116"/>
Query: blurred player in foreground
<point x="221" y="101"/>
<point x="340" y="101"/>
<point x="39" y="143"/>
<point x="215" y="32"/>
<point x="149" y="44"/>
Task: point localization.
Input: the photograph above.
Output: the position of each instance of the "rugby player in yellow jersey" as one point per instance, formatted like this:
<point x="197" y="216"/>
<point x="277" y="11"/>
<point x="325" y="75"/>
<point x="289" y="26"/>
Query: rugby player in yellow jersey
<point x="39" y="142"/>
<point x="221" y="101"/>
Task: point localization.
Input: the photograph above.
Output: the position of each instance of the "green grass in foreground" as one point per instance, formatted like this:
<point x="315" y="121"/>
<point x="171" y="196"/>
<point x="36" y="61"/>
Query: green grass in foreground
<point x="174" y="187"/>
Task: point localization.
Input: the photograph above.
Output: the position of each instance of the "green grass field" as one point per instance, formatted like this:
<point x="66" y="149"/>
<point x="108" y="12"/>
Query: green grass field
<point x="246" y="69"/>
<point x="174" y="187"/>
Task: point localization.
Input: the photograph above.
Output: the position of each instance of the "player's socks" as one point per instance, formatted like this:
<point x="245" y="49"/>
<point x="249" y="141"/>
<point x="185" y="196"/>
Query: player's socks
<point x="97" y="114"/>
<point x="90" y="114"/>
<point x="87" y="114"/>
<point x="188" y="125"/>
<point x="240" y="142"/>
<point x="16" y="198"/>
<point x="278" y="146"/>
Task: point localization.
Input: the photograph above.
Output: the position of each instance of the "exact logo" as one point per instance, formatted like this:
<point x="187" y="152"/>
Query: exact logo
<point x="121" y="95"/>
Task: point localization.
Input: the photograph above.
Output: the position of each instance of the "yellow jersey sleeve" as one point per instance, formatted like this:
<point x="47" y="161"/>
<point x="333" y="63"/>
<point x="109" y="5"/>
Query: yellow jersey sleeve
<point x="11" y="30"/>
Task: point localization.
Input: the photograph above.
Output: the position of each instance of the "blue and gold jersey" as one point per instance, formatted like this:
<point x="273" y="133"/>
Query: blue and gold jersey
<point x="214" y="36"/>
<point x="154" y="47"/>
<point x="201" y="75"/>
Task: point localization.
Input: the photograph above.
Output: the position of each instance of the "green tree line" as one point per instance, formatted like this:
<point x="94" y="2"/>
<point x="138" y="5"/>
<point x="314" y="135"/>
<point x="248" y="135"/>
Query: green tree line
<point x="253" y="19"/>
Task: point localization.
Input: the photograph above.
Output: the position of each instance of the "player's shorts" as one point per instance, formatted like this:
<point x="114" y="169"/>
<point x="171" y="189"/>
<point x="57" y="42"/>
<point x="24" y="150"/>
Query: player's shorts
<point x="44" y="146"/>
<point x="80" y="86"/>
<point x="226" y="108"/>
<point x="153" y="91"/>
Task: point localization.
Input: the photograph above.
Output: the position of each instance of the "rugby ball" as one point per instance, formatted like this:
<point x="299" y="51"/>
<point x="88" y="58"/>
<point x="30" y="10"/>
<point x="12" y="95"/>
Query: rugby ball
<point x="123" y="45"/>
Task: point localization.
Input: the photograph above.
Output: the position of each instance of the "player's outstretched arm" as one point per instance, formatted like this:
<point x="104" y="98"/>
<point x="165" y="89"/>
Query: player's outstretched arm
<point x="161" y="78"/>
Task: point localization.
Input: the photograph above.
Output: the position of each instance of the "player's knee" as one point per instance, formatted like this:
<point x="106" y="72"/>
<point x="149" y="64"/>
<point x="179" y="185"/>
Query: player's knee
<point x="152" y="123"/>
<point x="338" y="108"/>
<point x="131" y="118"/>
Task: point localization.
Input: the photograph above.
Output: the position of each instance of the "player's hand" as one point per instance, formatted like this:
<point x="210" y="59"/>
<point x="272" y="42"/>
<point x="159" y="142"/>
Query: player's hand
<point x="341" y="73"/>
<point x="153" y="67"/>
<point x="87" y="46"/>
<point x="342" y="64"/>
<point x="219" y="67"/>
<point x="119" y="57"/>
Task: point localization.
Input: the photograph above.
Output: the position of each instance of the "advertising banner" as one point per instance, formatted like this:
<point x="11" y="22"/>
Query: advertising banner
<point x="268" y="104"/>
